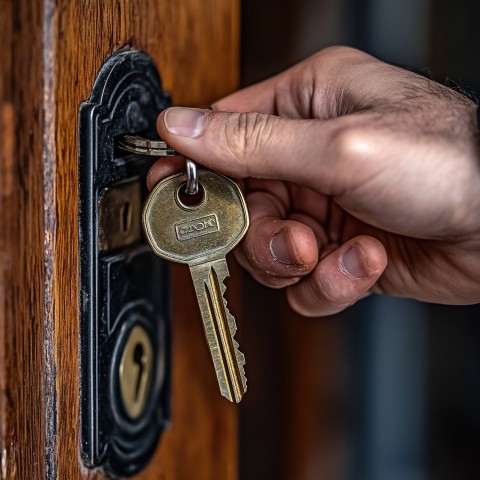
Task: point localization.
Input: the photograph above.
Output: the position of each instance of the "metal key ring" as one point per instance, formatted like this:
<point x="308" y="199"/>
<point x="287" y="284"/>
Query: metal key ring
<point x="192" y="178"/>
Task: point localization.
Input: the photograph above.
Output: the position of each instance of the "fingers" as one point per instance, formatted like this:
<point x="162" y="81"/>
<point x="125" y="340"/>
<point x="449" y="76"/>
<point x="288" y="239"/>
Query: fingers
<point x="304" y="128"/>
<point x="163" y="168"/>
<point x="331" y="82"/>
<point x="237" y="144"/>
<point x="257" y="98"/>
<point x="340" y="278"/>
<point x="313" y="153"/>
<point x="278" y="253"/>
<point x="275" y="251"/>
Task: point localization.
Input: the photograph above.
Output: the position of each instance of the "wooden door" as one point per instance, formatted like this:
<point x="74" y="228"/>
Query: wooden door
<point x="51" y="52"/>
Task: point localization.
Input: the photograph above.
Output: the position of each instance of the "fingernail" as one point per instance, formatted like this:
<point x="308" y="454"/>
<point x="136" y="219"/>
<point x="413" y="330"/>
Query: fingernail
<point x="186" y="122"/>
<point x="353" y="262"/>
<point x="282" y="247"/>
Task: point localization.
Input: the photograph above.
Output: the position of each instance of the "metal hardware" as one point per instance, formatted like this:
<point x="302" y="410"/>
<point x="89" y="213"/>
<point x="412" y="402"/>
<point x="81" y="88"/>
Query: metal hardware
<point x="192" y="178"/>
<point x="119" y="215"/>
<point x="159" y="148"/>
<point x="135" y="371"/>
<point x="201" y="235"/>
<point x="124" y="288"/>
<point x="144" y="146"/>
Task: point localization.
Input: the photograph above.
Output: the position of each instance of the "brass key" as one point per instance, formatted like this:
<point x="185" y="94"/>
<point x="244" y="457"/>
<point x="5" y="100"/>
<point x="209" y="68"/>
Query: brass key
<point x="158" y="148"/>
<point x="145" y="146"/>
<point x="200" y="235"/>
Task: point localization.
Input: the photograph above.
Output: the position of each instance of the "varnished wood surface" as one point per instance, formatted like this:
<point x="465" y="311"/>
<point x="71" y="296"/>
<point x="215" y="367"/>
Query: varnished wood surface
<point x="23" y="322"/>
<point x="56" y="51"/>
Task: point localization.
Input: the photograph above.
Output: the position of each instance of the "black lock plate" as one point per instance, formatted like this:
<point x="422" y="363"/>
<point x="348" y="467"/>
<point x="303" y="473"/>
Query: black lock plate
<point x="122" y="284"/>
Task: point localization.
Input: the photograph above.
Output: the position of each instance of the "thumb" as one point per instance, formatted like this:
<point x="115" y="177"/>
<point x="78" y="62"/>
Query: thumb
<point x="260" y="145"/>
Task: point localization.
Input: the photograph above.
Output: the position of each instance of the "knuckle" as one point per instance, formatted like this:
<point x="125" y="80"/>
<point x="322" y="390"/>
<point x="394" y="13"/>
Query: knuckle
<point x="356" y="149"/>
<point x="338" y="291"/>
<point x="245" y="135"/>
<point x="325" y="289"/>
<point x="342" y="50"/>
<point x="332" y="55"/>
<point x="351" y="143"/>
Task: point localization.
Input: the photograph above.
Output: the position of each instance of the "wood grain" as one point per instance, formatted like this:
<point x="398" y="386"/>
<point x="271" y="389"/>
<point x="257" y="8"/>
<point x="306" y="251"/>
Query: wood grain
<point x="58" y="48"/>
<point x="22" y="275"/>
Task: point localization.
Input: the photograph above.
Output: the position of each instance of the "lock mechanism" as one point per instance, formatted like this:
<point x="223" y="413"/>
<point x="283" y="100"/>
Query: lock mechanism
<point x="124" y="313"/>
<point x="135" y="371"/>
<point x="119" y="216"/>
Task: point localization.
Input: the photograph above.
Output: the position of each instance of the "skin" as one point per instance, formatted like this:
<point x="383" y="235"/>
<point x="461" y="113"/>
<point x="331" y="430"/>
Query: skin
<point x="359" y="177"/>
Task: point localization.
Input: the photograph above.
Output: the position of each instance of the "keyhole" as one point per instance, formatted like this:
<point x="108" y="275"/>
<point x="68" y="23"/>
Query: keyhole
<point x="139" y="359"/>
<point x="135" y="371"/>
<point x="125" y="217"/>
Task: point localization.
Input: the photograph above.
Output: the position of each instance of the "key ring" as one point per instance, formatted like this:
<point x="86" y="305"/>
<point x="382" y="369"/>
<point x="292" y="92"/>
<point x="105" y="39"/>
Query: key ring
<point x="192" y="178"/>
<point x="158" y="148"/>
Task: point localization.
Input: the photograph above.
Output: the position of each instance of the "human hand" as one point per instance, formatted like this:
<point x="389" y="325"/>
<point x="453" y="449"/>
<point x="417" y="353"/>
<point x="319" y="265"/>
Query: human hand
<point x="359" y="177"/>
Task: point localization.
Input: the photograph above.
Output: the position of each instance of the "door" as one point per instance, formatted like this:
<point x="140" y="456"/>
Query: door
<point x="51" y="54"/>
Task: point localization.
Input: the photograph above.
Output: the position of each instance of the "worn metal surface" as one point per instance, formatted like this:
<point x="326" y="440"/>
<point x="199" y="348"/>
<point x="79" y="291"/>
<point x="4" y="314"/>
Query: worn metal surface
<point x="201" y="235"/>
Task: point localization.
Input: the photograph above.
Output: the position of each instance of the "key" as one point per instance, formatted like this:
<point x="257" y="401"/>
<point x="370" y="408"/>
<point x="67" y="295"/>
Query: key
<point x="200" y="235"/>
<point x="159" y="148"/>
<point x="145" y="146"/>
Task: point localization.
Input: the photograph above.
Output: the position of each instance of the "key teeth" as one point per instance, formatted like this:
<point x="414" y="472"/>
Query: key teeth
<point x="208" y="281"/>
<point x="238" y="354"/>
<point x="232" y="325"/>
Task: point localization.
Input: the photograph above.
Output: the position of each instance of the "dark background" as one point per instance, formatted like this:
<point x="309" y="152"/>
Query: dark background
<point x="389" y="390"/>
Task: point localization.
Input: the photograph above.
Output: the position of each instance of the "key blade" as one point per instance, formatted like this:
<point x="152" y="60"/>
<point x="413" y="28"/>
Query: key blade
<point x="145" y="146"/>
<point x="220" y="328"/>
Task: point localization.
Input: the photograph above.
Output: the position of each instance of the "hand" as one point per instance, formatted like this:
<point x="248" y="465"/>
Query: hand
<point x="359" y="177"/>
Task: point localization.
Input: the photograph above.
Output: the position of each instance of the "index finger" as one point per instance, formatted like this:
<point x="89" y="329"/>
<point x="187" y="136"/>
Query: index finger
<point x="256" y="98"/>
<point x="276" y="251"/>
<point x="313" y="88"/>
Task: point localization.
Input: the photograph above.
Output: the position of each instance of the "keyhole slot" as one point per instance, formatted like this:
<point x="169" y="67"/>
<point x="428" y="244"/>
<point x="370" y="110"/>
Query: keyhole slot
<point x="125" y="217"/>
<point x="135" y="371"/>
<point x="139" y="359"/>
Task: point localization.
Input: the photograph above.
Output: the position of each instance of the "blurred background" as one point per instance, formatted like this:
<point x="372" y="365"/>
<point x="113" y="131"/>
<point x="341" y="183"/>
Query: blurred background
<point x="389" y="390"/>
